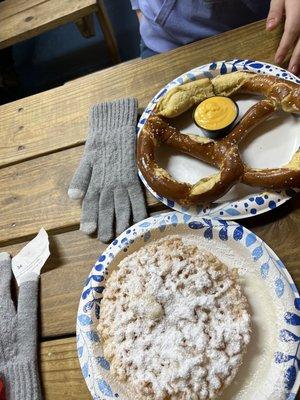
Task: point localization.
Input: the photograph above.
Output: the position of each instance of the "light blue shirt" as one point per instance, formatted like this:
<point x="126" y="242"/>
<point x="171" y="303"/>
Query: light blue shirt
<point x="167" y="24"/>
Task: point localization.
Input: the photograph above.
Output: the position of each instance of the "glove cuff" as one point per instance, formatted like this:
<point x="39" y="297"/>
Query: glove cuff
<point x="114" y="115"/>
<point x="21" y="380"/>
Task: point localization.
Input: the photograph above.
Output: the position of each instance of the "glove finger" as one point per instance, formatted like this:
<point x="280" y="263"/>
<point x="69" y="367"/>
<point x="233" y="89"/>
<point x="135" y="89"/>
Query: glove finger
<point x="7" y="308"/>
<point x="89" y="215"/>
<point x="137" y="199"/>
<point x="5" y="274"/>
<point x="81" y="179"/>
<point x="122" y="209"/>
<point x="27" y="316"/>
<point x="106" y="216"/>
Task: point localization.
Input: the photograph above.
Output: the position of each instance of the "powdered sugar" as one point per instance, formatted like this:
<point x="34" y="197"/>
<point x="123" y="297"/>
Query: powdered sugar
<point x="174" y="322"/>
<point x="229" y="255"/>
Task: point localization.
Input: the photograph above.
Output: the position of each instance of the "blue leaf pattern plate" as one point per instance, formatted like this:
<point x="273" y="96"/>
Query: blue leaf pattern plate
<point x="236" y="246"/>
<point x="246" y="205"/>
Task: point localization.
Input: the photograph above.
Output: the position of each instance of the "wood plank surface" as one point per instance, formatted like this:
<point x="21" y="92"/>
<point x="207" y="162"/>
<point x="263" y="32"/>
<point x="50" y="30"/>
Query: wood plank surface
<point x="20" y="19"/>
<point x="34" y="194"/>
<point x="34" y="184"/>
<point x="10" y="8"/>
<point x="13" y="7"/>
<point x="31" y="196"/>
<point x="57" y="119"/>
<point x="61" y="374"/>
<point x="60" y="370"/>
<point x="73" y="254"/>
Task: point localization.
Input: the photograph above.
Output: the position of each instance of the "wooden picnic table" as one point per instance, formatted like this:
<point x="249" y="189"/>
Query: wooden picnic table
<point x="42" y="140"/>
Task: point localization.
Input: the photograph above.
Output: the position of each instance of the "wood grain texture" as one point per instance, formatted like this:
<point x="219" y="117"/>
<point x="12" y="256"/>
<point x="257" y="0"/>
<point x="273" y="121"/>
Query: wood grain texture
<point x="20" y="20"/>
<point x="73" y="255"/>
<point x="34" y="194"/>
<point x="10" y="8"/>
<point x="60" y="371"/>
<point x="57" y="119"/>
<point x="34" y="190"/>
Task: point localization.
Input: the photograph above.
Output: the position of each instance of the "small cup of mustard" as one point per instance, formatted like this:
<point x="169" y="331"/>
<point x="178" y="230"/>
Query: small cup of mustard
<point x="216" y="116"/>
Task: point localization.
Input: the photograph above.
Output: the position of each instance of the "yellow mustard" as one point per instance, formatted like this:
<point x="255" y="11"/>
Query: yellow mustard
<point x="215" y="113"/>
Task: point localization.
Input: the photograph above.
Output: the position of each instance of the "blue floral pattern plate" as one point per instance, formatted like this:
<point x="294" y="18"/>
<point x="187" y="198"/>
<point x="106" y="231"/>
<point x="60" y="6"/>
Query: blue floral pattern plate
<point x="263" y="151"/>
<point x="271" y="365"/>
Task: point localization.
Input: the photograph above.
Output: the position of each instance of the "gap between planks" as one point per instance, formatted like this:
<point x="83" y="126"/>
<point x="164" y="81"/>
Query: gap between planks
<point x="58" y="118"/>
<point x="73" y="255"/>
<point x="34" y="194"/>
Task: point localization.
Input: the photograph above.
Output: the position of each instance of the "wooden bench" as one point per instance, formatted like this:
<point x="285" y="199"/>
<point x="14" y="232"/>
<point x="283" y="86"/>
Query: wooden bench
<point x="23" y="19"/>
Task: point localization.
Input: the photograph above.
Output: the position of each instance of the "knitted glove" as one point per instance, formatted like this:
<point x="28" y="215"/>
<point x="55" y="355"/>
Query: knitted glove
<point x="18" y="337"/>
<point x="107" y="178"/>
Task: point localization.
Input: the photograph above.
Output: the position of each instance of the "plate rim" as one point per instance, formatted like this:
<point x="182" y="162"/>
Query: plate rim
<point x="229" y="207"/>
<point x="121" y="243"/>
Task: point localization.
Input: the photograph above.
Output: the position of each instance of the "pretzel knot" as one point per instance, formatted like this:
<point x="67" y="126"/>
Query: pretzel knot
<point x="223" y="154"/>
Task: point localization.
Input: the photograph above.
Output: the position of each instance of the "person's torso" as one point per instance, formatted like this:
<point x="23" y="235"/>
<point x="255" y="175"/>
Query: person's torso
<point x="170" y="23"/>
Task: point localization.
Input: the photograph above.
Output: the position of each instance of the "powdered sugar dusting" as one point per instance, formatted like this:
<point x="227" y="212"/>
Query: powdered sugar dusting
<point x="224" y="252"/>
<point x="174" y="322"/>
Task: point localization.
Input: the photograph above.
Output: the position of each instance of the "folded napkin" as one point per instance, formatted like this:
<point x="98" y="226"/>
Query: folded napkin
<point x="107" y="178"/>
<point x="18" y="336"/>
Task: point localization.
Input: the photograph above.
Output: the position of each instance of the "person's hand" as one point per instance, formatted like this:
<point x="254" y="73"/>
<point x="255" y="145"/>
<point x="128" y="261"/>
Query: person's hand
<point x="139" y="14"/>
<point x="290" y="10"/>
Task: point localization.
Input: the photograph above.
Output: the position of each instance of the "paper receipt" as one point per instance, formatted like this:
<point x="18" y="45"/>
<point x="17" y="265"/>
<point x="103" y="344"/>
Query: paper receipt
<point x="31" y="258"/>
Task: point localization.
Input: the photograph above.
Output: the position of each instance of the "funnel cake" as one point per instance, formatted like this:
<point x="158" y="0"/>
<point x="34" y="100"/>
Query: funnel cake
<point x="174" y="322"/>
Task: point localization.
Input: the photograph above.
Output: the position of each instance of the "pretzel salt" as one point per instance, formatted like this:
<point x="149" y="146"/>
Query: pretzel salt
<point x="223" y="154"/>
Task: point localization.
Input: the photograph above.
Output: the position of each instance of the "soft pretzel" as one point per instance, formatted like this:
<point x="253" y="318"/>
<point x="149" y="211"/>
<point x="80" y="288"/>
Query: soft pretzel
<point x="284" y="177"/>
<point x="223" y="154"/>
<point x="179" y="99"/>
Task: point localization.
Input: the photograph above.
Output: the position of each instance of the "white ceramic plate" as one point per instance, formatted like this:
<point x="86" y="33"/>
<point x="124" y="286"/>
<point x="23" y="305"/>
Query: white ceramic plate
<point x="271" y="145"/>
<point x="270" y="370"/>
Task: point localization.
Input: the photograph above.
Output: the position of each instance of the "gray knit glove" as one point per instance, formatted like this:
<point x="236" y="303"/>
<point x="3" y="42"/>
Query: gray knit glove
<point x="107" y="178"/>
<point x="18" y="337"/>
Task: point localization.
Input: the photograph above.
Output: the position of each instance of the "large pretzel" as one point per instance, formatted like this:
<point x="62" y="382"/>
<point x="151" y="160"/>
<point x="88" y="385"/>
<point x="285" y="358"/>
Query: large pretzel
<point x="223" y="154"/>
